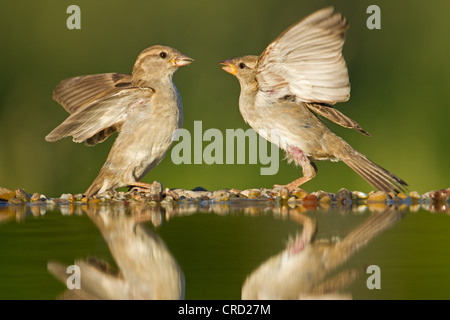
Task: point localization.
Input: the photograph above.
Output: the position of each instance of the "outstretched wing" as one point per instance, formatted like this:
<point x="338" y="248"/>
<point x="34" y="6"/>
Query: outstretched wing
<point x="95" y="121"/>
<point x="75" y="92"/>
<point x="306" y="61"/>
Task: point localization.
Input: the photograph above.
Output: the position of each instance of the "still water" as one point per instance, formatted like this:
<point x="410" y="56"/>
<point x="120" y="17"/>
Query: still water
<point x="227" y="250"/>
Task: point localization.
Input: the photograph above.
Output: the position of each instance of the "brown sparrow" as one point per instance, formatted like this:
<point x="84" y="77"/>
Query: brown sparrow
<point x="301" y="74"/>
<point x="305" y="268"/>
<point x="144" y="107"/>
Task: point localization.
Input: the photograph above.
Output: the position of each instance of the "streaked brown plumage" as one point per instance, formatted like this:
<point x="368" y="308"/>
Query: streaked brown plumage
<point x="302" y="72"/>
<point x="144" y="107"/>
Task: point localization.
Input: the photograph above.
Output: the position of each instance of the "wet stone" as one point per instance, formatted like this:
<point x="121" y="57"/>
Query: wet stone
<point x="285" y="193"/>
<point x="68" y="197"/>
<point x="415" y="197"/>
<point x="22" y="195"/>
<point x="359" y="196"/>
<point x="221" y="195"/>
<point x="310" y="202"/>
<point x="78" y="197"/>
<point x="440" y="195"/>
<point x="378" y="197"/>
<point x="323" y="197"/>
<point x="171" y="193"/>
<point x="344" y="196"/>
<point x="299" y="193"/>
<point x="156" y="188"/>
<point x="251" y="193"/>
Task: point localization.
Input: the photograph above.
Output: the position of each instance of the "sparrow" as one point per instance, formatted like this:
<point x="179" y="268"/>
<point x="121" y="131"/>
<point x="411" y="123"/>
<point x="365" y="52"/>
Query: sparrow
<point x="146" y="269"/>
<point x="306" y="267"/>
<point x="145" y="109"/>
<point x="298" y="77"/>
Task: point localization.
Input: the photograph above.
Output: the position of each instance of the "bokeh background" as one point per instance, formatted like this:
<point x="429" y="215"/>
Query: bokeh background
<point x="400" y="77"/>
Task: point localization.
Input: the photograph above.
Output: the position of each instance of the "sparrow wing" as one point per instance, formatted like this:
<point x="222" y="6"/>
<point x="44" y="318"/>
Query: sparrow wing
<point x="99" y="118"/>
<point x="74" y="92"/>
<point x="306" y="61"/>
<point x="336" y="116"/>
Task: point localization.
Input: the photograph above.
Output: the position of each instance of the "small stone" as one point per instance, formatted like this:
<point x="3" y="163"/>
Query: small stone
<point x="235" y="191"/>
<point x="22" y="195"/>
<point x="325" y="199"/>
<point x="220" y="195"/>
<point x="285" y="193"/>
<point x="299" y="193"/>
<point x="35" y="197"/>
<point x="310" y="202"/>
<point x="171" y="193"/>
<point x="378" y="197"/>
<point x="78" y="197"/>
<point x="415" y="197"/>
<point x="6" y="194"/>
<point x="254" y="194"/>
<point x="67" y="196"/>
<point x="156" y="187"/>
<point x="359" y="196"/>
<point x="292" y="199"/>
<point x="403" y="198"/>
<point x="344" y="196"/>
<point x="440" y="195"/>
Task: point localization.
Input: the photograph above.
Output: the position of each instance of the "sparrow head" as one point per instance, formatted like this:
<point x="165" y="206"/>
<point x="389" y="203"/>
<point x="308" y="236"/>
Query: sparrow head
<point x="244" y="68"/>
<point x="157" y="62"/>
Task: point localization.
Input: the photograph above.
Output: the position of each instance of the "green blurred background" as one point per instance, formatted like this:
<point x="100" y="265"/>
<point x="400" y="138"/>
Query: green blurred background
<point x="400" y="77"/>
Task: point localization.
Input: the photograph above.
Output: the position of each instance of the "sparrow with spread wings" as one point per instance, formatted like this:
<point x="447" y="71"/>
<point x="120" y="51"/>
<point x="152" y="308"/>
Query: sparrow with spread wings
<point x="144" y="107"/>
<point x="300" y="75"/>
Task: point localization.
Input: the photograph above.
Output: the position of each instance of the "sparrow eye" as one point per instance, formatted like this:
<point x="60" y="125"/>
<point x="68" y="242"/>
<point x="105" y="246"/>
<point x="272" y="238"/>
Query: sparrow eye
<point x="242" y="65"/>
<point x="163" y="54"/>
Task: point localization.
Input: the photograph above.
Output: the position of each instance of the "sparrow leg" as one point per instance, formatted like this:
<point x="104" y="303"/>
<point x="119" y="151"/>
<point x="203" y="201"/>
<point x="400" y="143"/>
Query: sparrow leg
<point x="309" y="168"/>
<point x="140" y="186"/>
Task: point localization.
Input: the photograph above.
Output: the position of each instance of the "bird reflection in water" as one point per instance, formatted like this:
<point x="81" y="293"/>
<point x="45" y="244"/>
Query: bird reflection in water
<point x="300" y="271"/>
<point x="147" y="270"/>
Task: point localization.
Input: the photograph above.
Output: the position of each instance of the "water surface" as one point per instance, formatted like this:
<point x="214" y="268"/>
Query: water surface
<point x="205" y="250"/>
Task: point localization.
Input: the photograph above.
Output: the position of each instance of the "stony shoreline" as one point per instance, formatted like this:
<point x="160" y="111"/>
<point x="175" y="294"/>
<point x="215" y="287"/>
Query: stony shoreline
<point x="440" y="199"/>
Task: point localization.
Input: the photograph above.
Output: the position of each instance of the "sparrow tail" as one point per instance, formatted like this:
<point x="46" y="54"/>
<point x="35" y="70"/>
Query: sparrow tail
<point x="374" y="174"/>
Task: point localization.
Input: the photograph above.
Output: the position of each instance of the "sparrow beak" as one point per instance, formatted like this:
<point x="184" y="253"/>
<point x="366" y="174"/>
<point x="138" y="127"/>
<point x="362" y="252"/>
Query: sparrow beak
<point x="229" y="67"/>
<point x="181" y="60"/>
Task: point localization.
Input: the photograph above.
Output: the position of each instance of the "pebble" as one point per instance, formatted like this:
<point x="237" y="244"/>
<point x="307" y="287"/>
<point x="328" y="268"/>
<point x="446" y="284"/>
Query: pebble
<point x="378" y="196"/>
<point x="359" y="196"/>
<point x="344" y="196"/>
<point x="299" y="193"/>
<point x="415" y="197"/>
<point x="284" y="193"/>
<point x="323" y="197"/>
<point x="435" y="200"/>
<point x="310" y="202"/>
<point x="251" y="193"/>
<point x="221" y="195"/>
<point x="156" y="191"/>
<point x="67" y="196"/>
